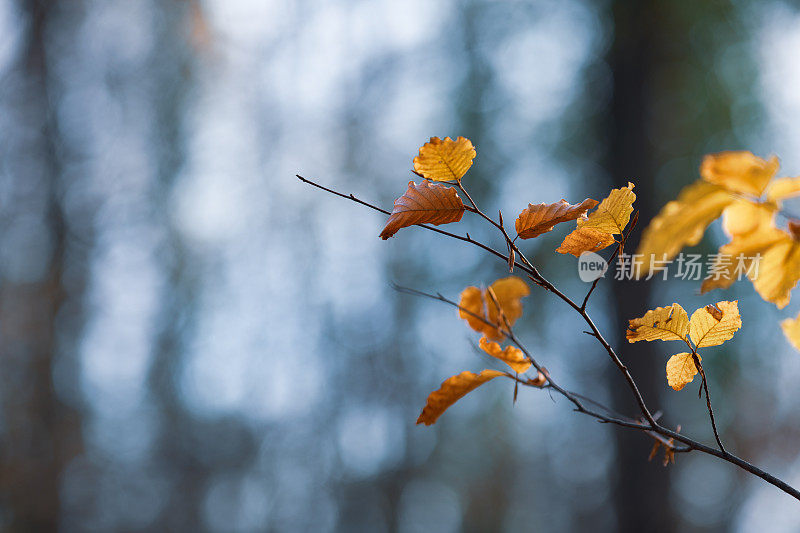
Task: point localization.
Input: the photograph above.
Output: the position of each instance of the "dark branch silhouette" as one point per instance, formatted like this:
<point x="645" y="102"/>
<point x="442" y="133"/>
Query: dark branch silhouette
<point x="648" y="422"/>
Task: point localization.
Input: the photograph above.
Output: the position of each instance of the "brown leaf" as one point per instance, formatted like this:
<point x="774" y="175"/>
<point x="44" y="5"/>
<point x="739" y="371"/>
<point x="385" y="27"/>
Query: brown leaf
<point x="540" y="380"/>
<point x="794" y="229"/>
<point x="541" y="218"/>
<point x="426" y="203"/>
<point x="452" y="390"/>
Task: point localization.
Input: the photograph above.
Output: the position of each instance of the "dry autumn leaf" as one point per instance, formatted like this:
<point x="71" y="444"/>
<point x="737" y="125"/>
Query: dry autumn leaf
<point x="585" y="240"/>
<point x="752" y="230"/>
<point x="681" y="370"/>
<point x="613" y="213"/>
<point x="711" y="325"/>
<point x="444" y="160"/>
<point x="770" y="257"/>
<point x="511" y="355"/>
<point x="682" y="222"/>
<point x="778" y="271"/>
<point x="726" y="176"/>
<point x="743" y="216"/>
<point x="452" y="390"/>
<point x="740" y="172"/>
<point x="791" y="328"/>
<point x="541" y="218"/>
<point x="476" y="303"/>
<point x="426" y="203"/>
<point x="595" y="231"/>
<point x="714" y="324"/>
<point x="782" y="188"/>
<point x="662" y="323"/>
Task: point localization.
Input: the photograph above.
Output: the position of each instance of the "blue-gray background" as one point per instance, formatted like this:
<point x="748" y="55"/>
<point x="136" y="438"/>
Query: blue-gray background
<point x="191" y="339"/>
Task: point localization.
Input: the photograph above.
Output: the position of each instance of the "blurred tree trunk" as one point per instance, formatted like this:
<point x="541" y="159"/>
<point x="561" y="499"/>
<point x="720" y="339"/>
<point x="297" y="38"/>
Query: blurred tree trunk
<point x="641" y="494"/>
<point x="40" y="433"/>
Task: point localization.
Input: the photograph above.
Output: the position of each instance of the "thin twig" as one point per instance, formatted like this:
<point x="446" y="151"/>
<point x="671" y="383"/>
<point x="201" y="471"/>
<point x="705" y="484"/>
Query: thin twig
<point x="708" y="401"/>
<point x="466" y="238"/>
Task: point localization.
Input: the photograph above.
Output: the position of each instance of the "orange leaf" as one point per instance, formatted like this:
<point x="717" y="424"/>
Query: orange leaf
<point x="511" y="355"/>
<point x="541" y="218"/>
<point x="444" y="160"/>
<point x="452" y="390"/>
<point x="476" y="303"/>
<point x="426" y="203"/>
<point x="585" y="240"/>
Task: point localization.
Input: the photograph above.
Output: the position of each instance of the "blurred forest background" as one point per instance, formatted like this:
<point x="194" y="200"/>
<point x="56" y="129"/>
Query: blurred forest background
<point x="191" y="339"/>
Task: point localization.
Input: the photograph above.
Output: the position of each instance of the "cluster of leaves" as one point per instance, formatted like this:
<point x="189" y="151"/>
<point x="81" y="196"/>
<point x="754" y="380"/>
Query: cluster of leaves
<point x="741" y="188"/>
<point x="447" y="161"/>
<point x="493" y="311"/>
<point x="711" y="325"/>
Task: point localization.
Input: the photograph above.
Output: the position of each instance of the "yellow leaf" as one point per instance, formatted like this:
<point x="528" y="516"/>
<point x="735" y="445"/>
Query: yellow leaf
<point x="613" y="213"/>
<point x="452" y="390"/>
<point x="681" y="370"/>
<point x="740" y="172"/>
<point x="662" y="323"/>
<point x="596" y="231"/>
<point x="541" y="218"/>
<point x="743" y="216"/>
<point x="754" y="235"/>
<point x="585" y="240"/>
<point x="508" y="291"/>
<point x="778" y="271"/>
<point x="511" y="355"/>
<point x="444" y="160"/>
<point x="782" y="188"/>
<point x="714" y="324"/>
<point x="426" y="203"/>
<point x="682" y="222"/>
<point x="752" y="231"/>
<point x="791" y="328"/>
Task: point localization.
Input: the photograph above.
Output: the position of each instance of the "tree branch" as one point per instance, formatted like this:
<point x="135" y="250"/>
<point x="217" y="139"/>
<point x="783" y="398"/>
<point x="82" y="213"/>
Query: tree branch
<point x="649" y="425"/>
